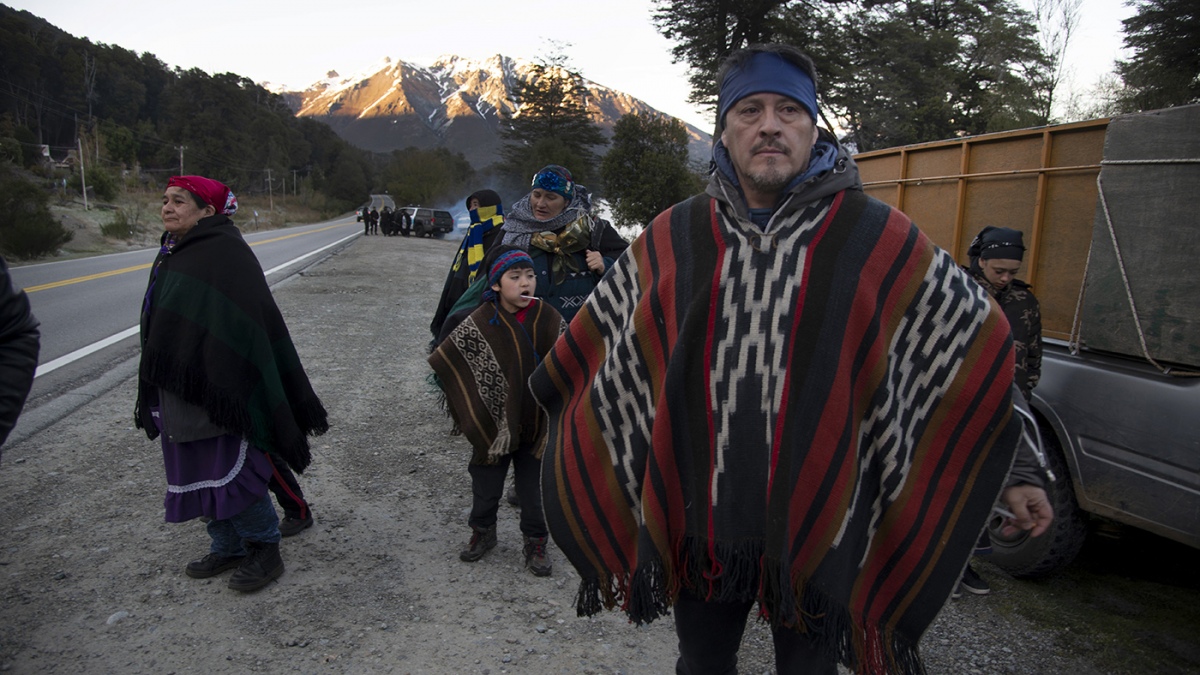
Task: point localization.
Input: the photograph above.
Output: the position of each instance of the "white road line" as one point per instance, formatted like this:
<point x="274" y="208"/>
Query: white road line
<point x="61" y="361"/>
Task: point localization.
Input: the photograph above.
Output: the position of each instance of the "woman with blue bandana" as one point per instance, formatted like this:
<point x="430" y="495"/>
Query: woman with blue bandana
<point x="571" y="250"/>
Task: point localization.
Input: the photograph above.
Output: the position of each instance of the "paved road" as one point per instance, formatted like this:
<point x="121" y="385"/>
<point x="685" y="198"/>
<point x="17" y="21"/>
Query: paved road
<point x="88" y="308"/>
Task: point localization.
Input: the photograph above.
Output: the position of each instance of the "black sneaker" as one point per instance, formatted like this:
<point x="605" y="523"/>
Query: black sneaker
<point x="535" y="556"/>
<point x="482" y="541"/>
<point x="290" y="526"/>
<point x="211" y="565"/>
<point x="973" y="583"/>
<point x="262" y="566"/>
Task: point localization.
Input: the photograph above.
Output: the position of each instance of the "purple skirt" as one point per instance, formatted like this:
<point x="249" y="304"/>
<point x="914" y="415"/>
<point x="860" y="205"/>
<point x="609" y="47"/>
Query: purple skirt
<point x="215" y="477"/>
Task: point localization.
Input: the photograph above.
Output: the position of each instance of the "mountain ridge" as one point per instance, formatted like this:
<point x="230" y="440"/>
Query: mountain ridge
<point x="456" y="103"/>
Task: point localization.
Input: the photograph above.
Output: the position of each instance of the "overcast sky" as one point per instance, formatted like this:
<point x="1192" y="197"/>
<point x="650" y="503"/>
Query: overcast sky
<point x="294" y="43"/>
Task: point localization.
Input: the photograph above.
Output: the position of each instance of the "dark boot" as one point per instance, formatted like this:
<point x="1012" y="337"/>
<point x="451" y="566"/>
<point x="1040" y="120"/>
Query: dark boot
<point x="262" y="566"/>
<point x="511" y="496"/>
<point x="535" y="556"/>
<point x="212" y="564"/>
<point x="482" y="541"/>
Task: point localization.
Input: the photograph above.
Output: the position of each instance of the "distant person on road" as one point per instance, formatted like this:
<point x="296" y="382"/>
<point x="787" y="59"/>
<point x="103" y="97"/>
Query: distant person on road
<point x="483" y="366"/>
<point x="373" y="226"/>
<point x="222" y="384"/>
<point x="782" y="395"/>
<point x="385" y="221"/>
<point x="487" y="215"/>
<point x="404" y="222"/>
<point x="19" y="346"/>
<point x="570" y="248"/>
<point x="995" y="258"/>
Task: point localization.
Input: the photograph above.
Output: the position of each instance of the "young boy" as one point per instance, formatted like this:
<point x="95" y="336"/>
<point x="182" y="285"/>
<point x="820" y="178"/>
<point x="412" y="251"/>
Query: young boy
<point x="484" y="365"/>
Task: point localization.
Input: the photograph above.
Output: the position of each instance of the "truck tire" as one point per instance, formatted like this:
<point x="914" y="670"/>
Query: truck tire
<point x="1026" y="557"/>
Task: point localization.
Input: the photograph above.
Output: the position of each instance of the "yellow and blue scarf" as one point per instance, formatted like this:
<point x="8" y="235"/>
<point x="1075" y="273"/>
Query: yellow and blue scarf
<point x="483" y="220"/>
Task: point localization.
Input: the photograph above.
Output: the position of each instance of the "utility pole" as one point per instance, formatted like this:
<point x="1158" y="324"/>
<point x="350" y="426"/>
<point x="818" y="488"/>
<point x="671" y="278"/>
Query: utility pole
<point x="82" y="177"/>
<point x="181" y="149"/>
<point x="271" y="190"/>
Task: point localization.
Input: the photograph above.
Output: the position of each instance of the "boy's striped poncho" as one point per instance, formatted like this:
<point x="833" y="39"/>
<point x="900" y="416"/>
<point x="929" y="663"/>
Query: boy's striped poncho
<point x="818" y="418"/>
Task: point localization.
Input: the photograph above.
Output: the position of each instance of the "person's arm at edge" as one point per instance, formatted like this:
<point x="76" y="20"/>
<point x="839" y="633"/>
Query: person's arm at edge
<point x="19" y="347"/>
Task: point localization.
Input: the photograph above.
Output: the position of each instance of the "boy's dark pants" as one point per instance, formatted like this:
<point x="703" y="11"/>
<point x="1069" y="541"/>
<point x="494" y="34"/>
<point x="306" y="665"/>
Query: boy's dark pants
<point x="487" y="486"/>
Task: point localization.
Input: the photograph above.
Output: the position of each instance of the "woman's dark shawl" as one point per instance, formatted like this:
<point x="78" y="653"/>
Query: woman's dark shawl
<point x="818" y="418"/>
<point x="214" y="336"/>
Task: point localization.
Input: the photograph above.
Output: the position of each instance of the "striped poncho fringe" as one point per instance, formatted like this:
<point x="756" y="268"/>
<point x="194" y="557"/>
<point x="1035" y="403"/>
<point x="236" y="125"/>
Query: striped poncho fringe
<point x="817" y="418"/>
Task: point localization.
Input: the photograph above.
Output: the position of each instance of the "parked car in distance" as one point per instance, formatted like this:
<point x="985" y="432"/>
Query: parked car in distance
<point x="426" y="222"/>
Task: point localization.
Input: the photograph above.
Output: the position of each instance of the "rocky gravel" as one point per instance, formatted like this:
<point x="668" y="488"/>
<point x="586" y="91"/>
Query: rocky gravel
<point x="91" y="578"/>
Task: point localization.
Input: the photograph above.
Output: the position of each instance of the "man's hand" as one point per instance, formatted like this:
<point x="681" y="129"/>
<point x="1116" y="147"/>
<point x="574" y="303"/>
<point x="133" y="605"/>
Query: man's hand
<point x="595" y="261"/>
<point x="1030" y="508"/>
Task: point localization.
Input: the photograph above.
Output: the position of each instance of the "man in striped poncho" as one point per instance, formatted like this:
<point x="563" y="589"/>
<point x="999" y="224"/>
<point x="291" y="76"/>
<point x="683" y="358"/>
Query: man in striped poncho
<point x="783" y="394"/>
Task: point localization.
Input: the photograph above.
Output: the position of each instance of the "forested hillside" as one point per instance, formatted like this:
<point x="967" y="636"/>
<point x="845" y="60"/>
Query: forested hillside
<point x="132" y="115"/>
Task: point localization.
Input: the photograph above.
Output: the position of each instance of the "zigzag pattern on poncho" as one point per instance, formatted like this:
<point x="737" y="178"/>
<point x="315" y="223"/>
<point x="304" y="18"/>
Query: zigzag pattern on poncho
<point x="817" y="417"/>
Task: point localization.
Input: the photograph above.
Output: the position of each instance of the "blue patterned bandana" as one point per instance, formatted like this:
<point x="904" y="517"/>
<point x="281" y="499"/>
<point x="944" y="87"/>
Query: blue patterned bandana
<point x="768" y="72"/>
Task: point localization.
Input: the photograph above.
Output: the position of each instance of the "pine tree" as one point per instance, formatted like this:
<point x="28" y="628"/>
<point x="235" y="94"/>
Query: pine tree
<point x="551" y="124"/>
<point x="646" y="168"/>
<point x="1164" y="36"/>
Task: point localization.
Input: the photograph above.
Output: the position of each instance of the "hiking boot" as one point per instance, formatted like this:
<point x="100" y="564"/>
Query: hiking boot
<point x="262" y="566"/>
<point x="482" y="541"/>
<point x="511" y="496"/>
<point x="535" y="556"/>
<point x="957" y="592"/>
<point x="973" y="583"/>
<point x="212" y="564"/>
<point x="290" y="526"/>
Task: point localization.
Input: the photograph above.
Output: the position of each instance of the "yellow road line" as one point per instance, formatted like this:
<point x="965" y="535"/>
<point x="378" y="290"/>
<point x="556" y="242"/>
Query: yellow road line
<point x="136" y="268"/>
<point x="90" y="277"/>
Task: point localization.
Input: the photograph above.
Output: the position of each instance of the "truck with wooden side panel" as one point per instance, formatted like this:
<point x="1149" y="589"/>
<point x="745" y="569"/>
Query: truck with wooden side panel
<point x="1110" y="211"/>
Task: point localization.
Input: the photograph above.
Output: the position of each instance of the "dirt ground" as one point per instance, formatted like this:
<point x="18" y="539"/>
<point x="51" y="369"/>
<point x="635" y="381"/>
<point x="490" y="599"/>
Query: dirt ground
<point x="91" y="578"/>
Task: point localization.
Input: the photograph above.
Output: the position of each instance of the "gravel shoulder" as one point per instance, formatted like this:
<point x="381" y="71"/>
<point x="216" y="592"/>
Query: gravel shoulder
<point x="91" y="578"/>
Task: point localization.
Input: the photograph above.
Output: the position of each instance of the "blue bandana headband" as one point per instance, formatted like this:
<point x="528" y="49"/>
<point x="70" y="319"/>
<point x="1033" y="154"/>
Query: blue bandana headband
<point x="502" y="264"/>
<point x="555" y="179"/>
<point x="768" y="72"/>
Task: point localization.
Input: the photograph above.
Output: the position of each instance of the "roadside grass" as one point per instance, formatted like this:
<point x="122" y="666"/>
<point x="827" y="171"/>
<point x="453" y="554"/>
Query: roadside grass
<point x="131" y="221"/>
<point x="1128" y="605"/>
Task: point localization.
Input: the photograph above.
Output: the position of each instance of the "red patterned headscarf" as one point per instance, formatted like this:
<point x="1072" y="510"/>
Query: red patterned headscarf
<point x="211" y="192"/>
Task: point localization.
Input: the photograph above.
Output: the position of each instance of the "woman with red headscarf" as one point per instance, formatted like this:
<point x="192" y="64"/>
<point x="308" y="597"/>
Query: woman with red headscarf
<point x="221" y="382"/>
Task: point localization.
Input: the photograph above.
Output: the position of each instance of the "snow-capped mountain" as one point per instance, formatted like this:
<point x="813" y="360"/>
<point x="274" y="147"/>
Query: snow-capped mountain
<point x="455" y="103"/>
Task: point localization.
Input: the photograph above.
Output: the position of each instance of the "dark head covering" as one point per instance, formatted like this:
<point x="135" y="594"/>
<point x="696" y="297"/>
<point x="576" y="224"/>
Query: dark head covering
<point x="997" y="242"/>
<point x="772" y="73"/>
<point x="211" y="192"/>
<point x="557" y="179"/>
<point x="485" y="197"/>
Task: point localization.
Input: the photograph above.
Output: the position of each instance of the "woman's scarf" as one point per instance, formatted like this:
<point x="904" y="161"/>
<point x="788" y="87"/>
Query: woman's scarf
<point x="212" y="192"/>
<point x="213" y="336"/>
<point x="562" y="245"/>
<point x="521" y="224"/>
<point x="818" y="419"/>
<point x="483" y="220"/>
